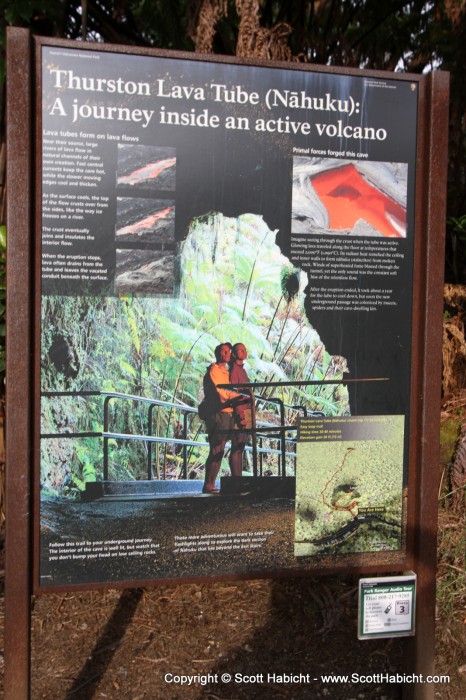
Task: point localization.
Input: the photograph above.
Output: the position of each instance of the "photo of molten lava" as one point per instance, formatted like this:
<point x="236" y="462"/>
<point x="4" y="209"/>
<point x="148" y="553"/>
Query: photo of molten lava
<point x="147" y="168"/>
<point x="146" y="173"/>
<point x="148" y="220"/>
<point x="356" y="198"/>
<point x="145" y="224"/>
<point x="348" y="197"/>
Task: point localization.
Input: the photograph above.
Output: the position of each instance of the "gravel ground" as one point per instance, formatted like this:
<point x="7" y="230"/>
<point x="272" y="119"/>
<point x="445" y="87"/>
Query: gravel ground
<point x="130" y="644"/>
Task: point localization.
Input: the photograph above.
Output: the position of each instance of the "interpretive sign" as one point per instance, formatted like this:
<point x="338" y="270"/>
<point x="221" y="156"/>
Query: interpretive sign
<point x="386" y="606"/>
<point x="189" y="203"/>
<point x="223" y="323"/>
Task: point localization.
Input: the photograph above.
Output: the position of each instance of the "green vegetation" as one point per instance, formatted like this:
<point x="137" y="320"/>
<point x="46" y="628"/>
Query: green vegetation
<point x="231" y="288"/>
<point x="451" y="594"/>
<point x="451" y="581"/>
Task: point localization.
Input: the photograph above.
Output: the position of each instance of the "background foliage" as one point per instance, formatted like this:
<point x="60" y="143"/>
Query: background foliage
<point x="235" y="285"/>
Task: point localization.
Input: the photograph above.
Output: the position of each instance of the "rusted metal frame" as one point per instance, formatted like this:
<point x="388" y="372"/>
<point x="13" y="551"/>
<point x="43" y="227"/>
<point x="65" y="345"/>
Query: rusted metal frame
<point x="429" y="280"/>
<point x="18" y="574"/>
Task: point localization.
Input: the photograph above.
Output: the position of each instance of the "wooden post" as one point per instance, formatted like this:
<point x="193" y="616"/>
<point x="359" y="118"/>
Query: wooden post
<point x="19" y="393"/>
<point x="420" y="655"/>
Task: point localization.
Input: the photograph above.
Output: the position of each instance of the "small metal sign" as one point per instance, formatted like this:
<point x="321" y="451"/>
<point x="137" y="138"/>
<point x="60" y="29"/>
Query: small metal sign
<point x="386" y="606"/>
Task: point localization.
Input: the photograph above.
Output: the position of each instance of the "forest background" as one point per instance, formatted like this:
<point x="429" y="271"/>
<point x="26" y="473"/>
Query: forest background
<point x="388" y="35"/>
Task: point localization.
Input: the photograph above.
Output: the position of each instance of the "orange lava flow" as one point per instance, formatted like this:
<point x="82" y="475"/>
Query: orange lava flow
<point x="146" y="223"/>
<point x="148" y="172"/>
<point x="348" y="197"/>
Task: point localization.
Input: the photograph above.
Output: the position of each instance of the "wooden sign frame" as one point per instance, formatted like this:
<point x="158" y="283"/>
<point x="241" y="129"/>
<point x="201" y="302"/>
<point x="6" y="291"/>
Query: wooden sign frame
<point x="23" y="274"/>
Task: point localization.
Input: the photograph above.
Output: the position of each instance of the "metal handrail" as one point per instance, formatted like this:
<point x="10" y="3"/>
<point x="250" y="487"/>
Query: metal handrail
<point x="248" y="388"/>
<point x="260" y="429"/>
<point x="257" y="430"/>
